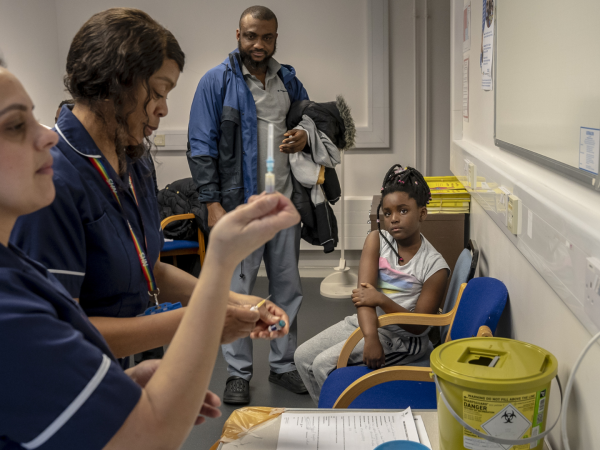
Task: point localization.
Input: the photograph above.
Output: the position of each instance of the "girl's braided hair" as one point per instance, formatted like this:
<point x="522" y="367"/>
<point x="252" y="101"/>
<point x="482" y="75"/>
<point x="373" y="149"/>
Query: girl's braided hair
<point x="400" y="179"/>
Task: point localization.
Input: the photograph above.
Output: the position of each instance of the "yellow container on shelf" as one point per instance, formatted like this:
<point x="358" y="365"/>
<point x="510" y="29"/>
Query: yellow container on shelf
<point x="497" y="387"/>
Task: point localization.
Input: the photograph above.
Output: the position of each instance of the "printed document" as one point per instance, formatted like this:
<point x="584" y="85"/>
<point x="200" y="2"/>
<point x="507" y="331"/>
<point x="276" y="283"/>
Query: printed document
<point x="344" y="431"/>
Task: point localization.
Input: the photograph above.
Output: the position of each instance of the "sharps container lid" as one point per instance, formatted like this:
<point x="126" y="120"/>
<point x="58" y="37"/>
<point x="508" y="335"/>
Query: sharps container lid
<point x="495" y="364"/>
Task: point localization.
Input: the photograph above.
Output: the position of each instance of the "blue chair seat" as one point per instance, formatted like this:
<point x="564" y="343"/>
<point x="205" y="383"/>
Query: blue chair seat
<point x="179" y="245"/>
<point x="390" y="395"/>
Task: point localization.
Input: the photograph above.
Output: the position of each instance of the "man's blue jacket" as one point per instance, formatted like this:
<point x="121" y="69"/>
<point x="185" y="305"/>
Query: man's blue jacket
<point x="222" y="132"/>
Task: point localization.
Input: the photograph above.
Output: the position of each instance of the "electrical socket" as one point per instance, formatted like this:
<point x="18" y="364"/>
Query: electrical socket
<point x="592" y="290"/>
<point x="513" y="214"/>
<point x="472" y="175"/>
<point x="159" y="140"/>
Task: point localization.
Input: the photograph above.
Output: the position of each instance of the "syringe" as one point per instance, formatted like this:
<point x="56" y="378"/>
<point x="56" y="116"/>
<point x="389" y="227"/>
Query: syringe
<point x="270" y="176"/>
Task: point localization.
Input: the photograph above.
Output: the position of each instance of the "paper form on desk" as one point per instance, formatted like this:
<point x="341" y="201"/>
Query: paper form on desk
<point x="344" y="431"/>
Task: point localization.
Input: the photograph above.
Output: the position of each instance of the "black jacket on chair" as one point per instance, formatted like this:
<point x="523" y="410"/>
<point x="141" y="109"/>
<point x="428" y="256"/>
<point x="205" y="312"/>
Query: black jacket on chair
<point x="181" y="197"/>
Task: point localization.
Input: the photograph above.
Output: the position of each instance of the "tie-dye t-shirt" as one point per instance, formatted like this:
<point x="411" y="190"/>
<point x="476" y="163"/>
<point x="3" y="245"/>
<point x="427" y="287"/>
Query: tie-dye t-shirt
<point x="403" y="284"/>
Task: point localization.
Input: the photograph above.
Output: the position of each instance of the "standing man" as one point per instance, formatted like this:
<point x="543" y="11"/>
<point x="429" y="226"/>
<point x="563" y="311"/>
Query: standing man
<point x="232" y="107"/>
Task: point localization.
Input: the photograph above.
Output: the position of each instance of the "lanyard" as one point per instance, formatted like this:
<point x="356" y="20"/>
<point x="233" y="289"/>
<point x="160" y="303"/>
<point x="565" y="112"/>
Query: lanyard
<point x="153" y="290"/>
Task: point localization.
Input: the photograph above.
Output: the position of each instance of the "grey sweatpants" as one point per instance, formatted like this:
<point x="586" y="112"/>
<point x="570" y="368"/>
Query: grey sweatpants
<point x="317" y="357"/>
<point x="281" y="261"/>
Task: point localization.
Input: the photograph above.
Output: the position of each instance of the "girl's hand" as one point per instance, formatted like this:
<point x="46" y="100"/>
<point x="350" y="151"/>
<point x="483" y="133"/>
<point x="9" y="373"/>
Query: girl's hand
<point x="373" y="355"/>
<point x="270" y="313"/>
<point x="249" y="226"/>
<point x="366" y="295"/>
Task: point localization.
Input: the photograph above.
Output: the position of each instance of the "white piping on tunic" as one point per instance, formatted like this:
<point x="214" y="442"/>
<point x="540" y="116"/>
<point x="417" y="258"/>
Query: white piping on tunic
<point x="73" y="407"/>
<point x="65" y="139"/>
<point x="67" y="272"/>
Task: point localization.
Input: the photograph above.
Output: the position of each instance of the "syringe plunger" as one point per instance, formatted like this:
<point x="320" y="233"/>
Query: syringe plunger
<point x="269" y="176"/>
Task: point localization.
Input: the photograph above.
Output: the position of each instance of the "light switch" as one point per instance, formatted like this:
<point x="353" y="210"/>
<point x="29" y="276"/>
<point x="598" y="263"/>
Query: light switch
<point x="159" y="140"/>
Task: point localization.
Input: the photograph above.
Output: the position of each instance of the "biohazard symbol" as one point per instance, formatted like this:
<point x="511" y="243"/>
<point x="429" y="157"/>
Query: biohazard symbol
<point x="508" y="416"/>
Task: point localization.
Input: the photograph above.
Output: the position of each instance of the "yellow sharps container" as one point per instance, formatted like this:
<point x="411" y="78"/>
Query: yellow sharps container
<point x="498" y="388"/>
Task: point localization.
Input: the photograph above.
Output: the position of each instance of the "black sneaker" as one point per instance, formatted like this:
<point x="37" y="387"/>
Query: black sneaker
<point x="237" y="391"/>
<point x="289" y="380"/>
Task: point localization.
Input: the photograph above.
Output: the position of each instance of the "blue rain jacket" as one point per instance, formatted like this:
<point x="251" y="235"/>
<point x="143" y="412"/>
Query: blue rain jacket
<point x="222" y="132"/>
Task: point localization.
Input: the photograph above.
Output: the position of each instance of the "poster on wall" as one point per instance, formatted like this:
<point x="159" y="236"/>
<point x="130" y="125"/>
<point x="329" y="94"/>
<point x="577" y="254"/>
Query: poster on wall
<point x="467" y="28"/>
<point x="487" y="44"/>
<point x="466" y="89"/>
<point x="589" y="149"/>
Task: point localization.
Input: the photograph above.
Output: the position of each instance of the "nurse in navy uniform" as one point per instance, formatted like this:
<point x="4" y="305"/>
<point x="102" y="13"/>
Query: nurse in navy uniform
<point x="61" y="387"/>
<point x="101" y="237"/>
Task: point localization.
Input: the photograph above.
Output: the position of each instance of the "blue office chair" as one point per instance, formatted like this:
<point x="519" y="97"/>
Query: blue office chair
<point x="464" y="271"/>
<point x="479" y="305"/>
<point x="177" y="248"/>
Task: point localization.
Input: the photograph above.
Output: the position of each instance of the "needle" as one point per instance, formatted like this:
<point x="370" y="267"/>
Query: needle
<point x="262" y="302"/>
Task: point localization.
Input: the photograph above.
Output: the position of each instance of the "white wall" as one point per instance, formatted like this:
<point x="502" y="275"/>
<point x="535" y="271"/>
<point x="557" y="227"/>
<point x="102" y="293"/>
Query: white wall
<point x="28" y="39"/>
<point x="536" y="313"/>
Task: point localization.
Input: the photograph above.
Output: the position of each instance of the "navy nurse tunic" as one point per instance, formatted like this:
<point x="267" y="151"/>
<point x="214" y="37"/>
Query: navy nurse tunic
<point x="60" y="385"/>
<point x="83" y="238"/>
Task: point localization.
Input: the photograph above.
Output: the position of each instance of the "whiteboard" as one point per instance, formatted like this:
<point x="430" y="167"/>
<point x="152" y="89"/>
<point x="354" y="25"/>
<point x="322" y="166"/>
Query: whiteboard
<point x="547" y="82"/>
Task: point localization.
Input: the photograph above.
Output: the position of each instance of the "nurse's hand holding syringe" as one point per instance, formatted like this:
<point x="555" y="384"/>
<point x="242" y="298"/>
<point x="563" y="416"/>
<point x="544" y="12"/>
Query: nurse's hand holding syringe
<point x="270" y="315"/>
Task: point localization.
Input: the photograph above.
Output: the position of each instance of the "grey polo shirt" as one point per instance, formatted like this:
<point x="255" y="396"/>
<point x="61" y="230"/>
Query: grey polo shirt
<point x="272" y="105"/>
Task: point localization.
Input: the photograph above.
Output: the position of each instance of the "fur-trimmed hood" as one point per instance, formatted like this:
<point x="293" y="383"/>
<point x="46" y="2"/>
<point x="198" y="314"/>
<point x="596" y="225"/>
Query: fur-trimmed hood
<point x="332" y="118"/>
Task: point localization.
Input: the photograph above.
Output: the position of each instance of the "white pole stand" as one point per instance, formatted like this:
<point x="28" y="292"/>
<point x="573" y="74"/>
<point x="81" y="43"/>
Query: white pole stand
<point x="342" y="281"/>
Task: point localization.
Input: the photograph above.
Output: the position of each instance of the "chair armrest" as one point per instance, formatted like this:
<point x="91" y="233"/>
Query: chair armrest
<point x="170" y="219"/>
<point x="484" y="331"/>
<point x="381" y="376"/>
<point x="393" y="319"/>
<point x="414" y="319"/>
<point x="400" y="319"/>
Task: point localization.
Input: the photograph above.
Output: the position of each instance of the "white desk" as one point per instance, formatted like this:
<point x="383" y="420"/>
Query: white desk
<point x="264" y="436"/>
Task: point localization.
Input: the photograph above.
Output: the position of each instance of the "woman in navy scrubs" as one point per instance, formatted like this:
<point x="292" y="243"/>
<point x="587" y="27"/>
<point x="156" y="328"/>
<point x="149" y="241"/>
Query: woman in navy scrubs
<point x="101" y="236"/>
<point x="60" y="385"/>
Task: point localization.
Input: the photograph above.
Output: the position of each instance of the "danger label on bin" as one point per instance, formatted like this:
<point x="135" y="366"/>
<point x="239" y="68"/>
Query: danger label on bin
<point x="507" y="424"/>
<point x="506" y="417"/>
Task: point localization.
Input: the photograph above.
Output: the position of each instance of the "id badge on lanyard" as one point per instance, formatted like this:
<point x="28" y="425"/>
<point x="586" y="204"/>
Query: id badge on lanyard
<point x="153" y="290"/>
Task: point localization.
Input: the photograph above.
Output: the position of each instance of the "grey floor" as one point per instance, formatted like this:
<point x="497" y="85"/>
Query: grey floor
<point x="316" y="314"/>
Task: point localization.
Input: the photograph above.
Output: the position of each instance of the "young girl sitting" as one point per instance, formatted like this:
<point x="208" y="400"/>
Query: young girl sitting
<point x="399" y="271"/>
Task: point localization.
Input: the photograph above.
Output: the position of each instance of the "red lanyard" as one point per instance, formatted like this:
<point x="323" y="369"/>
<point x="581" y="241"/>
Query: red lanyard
<point x="153" y="290"/>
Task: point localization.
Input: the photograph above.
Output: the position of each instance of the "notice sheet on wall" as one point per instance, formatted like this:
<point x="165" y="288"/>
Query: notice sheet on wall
<point x="487" y="46"/>
<point x="344" y="431"/>
<point x="589" y="149"/>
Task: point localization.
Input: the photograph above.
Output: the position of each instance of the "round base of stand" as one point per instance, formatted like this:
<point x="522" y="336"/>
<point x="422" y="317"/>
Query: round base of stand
<point x="339" y="284"/>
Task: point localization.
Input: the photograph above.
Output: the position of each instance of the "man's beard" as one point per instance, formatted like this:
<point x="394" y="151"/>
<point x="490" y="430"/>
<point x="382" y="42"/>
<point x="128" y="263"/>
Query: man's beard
<point x="260" y="66"/>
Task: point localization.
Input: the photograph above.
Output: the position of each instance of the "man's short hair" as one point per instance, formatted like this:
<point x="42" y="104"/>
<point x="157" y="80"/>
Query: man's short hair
<point x="66" y="102"/>
<point x="260" y="13"/>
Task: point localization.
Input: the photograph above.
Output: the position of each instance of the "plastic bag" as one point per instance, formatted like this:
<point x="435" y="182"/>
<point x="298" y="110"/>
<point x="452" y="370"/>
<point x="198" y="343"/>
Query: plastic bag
<point x="243" y="420"/>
